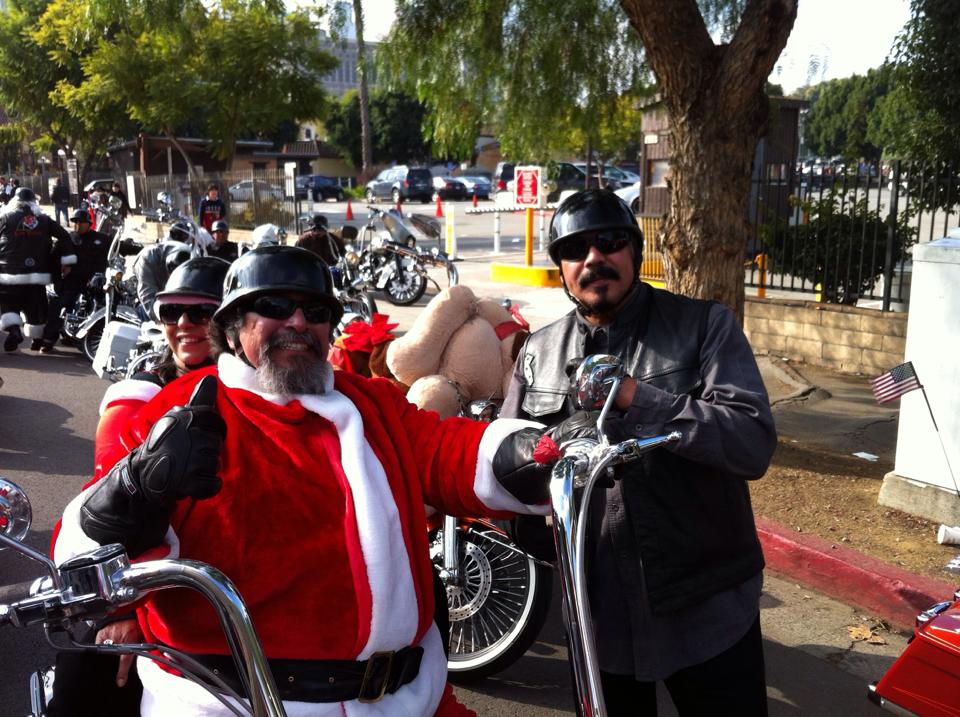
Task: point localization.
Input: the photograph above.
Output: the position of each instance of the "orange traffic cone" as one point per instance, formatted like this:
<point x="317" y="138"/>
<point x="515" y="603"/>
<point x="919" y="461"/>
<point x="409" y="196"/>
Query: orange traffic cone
<point x="439" y="207"/>
<point x="474" y="199"/>
<point x="349" y="216"/>
<point x="399" y="208"/>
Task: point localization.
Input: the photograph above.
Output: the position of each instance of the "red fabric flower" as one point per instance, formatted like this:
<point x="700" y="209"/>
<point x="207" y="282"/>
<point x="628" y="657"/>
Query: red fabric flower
<point x="363" y="336"/>
<point x="546" y="450"/>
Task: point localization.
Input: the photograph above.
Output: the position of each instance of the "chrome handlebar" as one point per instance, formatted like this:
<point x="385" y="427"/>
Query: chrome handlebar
<point x="93" y="584"/>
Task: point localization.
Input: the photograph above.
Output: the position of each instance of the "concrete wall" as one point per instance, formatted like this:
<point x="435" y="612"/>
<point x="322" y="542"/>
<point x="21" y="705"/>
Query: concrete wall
<point x="845" y="338"/>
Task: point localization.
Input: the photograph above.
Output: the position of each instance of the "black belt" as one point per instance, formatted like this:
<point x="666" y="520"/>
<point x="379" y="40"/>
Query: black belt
<point x="329" y="680"/>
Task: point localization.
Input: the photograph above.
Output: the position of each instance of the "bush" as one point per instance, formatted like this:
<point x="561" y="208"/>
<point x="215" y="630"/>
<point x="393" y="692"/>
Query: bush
<point x="841" y="246"/>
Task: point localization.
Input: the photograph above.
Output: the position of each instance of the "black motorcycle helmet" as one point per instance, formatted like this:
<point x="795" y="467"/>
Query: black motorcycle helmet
<point x="181" y="231"/>
<point x="589" y="211"/>
<point x="24" y="194"/>
<point x="175" y="259"/>
<point x="273" y="269"/>
<point x="319" y="221"/>
<point x="201" y="278"/>
<point x="80" y="216"/>
<point x="219" y="225"/>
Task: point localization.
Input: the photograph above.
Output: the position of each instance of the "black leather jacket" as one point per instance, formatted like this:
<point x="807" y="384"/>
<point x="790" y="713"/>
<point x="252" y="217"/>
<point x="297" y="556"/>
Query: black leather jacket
<point x="687" y="523"/>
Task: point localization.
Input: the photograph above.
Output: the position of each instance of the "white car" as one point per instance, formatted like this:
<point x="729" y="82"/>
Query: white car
<point x="631" y="195"/>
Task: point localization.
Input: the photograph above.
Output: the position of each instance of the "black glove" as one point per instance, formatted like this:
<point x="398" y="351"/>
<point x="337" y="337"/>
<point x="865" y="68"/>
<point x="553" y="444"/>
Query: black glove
<point x="133" y="502"/>
<point x="582" y="424"/>
<point x="515" y="469"/>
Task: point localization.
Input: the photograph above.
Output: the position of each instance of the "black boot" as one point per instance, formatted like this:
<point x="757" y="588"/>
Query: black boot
<point x="14" y="339"/>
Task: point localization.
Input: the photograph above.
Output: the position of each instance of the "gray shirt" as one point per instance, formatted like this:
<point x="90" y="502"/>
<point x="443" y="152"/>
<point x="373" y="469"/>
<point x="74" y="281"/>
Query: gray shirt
<point x="730" y="427"/>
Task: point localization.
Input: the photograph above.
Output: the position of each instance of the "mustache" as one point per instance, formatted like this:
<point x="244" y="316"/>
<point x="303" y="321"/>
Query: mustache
<point x="291" y="336"/>
<point x="601" y="271"/>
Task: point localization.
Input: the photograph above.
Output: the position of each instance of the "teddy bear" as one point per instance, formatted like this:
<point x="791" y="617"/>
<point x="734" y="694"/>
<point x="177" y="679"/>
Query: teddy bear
<point x="461" y="348"/>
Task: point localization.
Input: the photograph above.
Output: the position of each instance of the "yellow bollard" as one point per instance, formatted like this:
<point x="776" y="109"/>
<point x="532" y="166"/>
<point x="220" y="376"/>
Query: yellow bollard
<point x="528" y="247"/>
<point x="761" y="261"/>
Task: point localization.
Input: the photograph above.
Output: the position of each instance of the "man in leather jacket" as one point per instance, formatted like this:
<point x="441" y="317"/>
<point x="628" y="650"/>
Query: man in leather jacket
<point x="34" y="251"/>
<point x="91" y="248"/>
<point x="675" y="562"/>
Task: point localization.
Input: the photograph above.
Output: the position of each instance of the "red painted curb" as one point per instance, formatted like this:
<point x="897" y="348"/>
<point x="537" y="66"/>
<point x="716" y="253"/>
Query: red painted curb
<point x="892" y="593"/>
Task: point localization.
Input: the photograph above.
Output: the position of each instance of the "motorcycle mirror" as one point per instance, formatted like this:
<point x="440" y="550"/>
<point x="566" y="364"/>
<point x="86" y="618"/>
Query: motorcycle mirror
<point x="594" y="379"/>
<point x="116" y="203"/>
<point x="483" y="410"/>
<point x="16" y="514"/>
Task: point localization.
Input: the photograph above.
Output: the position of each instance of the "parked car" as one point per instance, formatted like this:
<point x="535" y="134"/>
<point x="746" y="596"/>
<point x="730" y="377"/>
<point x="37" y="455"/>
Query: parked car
<point x="631" y="195"/>
<point x="502" y="176"/>
<point x="318" y="187"/>
<point x="446" y="188"/>
<point x="478" y="186"/>
<point x="612" y="177"/>
<point x="97" y="185"/>
<point x="243" y="191"/>
<point x="566" y="176"/>
<point x="401" y="183"/>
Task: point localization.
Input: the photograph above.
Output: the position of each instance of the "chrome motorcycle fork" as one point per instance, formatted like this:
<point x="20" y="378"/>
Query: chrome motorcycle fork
<point x="451" y="552"/>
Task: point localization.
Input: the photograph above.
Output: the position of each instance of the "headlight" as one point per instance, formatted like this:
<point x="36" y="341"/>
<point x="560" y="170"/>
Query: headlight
<point x="352" y="258"/>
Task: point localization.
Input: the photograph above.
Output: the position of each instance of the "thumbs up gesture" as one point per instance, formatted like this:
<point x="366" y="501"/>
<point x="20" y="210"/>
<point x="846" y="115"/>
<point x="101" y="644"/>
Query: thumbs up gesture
<point x="180" y="457"/>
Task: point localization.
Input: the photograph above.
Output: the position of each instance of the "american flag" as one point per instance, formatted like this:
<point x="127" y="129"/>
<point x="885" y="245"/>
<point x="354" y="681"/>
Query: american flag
<point x="894" y="383"/>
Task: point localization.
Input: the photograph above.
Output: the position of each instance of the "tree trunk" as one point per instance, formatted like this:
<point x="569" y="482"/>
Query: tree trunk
<point x="194" y="179"/>
<point x="366" y="145"/>
<point x="714" y="96"/>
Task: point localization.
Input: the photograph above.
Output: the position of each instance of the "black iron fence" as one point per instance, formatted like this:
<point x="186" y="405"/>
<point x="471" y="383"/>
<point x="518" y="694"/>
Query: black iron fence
<point x="845" y="234"/>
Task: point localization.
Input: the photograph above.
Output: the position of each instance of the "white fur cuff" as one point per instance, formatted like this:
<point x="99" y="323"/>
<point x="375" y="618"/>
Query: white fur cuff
<point x="485" y="484"/>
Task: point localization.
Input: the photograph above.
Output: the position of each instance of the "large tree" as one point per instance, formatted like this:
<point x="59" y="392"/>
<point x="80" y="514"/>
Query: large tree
<point x="236" y="68"/>
<point x="528" y="65"/>
<point x="840" y="112"/>
<point x="396" y="135"/>
<point x="920" y="118"/>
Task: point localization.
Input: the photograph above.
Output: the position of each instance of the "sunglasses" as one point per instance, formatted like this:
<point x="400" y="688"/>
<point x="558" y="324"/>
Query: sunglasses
<point x="280" y="307"/>
<point x="197" y="313"/>
<point x="577" y="248"/>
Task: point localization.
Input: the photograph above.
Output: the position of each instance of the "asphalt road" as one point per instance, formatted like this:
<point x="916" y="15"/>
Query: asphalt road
<point x="48" y="413"/>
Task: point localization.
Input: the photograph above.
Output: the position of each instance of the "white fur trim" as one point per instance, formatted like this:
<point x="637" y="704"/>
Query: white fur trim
<point x="128" y="389"/>
<point x="68" y="260"/>
<point x="11" y="318"/>
<point x="485" y="484"/>
<point x="71" y="541"/>
<point x="394" y="616"/>
<point x="165" y="694"/>
<point x="24" y="279"/>
<point x="33" y="331"/>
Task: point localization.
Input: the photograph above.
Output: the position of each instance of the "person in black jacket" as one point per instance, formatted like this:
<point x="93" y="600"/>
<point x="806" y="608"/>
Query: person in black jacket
<point x="222" y="247"/>
<point x="91" y="248"/>
<point x="61" y="200"/>
<point x="30" y="244"/>
<point x="673" y="556"/>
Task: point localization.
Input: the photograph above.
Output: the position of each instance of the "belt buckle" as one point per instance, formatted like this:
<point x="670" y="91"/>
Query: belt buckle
<point x="372" y="661"/>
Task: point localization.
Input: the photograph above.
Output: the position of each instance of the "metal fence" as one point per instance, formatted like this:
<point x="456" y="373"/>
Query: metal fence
<point x="845" y="235"/>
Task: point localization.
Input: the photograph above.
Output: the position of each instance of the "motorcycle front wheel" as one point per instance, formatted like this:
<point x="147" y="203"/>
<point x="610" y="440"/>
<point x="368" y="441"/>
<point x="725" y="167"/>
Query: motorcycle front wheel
<point x="499" y="607"/>
<point x="405" y="288"/>
<point x="91" y="340"/>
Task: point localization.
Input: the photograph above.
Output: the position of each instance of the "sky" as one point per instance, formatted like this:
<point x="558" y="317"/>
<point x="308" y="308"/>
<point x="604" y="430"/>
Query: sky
<point x="852" y="36"/>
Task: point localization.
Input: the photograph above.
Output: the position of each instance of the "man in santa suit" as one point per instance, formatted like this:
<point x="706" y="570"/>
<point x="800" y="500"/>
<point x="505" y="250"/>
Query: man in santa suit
<point x="306" y="487"/>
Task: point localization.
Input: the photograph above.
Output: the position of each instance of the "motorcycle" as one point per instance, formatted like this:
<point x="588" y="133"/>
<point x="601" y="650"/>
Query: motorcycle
<point x="925" y="679"/>
<point x="498" y="595"/>
<point x="95" y="584"/>
<point x="118" y="289"/>
<point x="387" y="258"/>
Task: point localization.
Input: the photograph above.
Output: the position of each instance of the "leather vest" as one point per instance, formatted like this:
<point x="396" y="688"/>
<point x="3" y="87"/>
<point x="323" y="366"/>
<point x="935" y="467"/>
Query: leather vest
<point x="691" y="525"/>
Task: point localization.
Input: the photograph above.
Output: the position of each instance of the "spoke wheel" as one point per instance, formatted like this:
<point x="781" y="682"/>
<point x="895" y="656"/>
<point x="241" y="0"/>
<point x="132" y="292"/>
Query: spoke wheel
<point x="91" y="340"/>
<point x="497" y="609"/>
<point x="405" y="288"/>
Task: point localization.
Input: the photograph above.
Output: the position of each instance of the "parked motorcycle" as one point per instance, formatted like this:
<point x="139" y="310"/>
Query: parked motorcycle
<point x="95" y="584"/>
<point x="387" y="258"/>
<point x="925" y="679"/>
<point x="118" y="301"/>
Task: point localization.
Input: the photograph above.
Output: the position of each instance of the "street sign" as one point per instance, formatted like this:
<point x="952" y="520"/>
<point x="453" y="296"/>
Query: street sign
<point x="73" y="179"/>
<point x="528" y="186"/>
<point x="289" y="179"/>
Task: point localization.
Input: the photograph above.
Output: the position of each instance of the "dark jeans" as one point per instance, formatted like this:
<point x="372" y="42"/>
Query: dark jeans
<point x="65" y="210"/>
<point x="733" y="683"/>
<point x="65" y="299"/>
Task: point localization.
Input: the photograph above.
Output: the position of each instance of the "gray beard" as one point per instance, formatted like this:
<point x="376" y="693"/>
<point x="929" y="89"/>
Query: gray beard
<point x="303" y="375"/>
